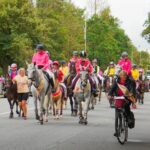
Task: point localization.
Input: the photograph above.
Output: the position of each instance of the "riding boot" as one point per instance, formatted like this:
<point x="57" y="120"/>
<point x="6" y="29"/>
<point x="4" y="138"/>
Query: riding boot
<point x="93" y="86"/>
<point x="75" y="81"/>
<point x="50" y="80"/>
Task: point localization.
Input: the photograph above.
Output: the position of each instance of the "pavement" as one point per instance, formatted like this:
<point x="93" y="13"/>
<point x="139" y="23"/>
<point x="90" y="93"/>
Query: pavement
<point x="67" y="134"/>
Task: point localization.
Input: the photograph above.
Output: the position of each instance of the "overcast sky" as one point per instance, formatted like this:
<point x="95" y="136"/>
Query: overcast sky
<point x="132" y="14"/>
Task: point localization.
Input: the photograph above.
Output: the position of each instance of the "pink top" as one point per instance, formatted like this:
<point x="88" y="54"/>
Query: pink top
<point x="126" y="65"/>
<point x="100" y="73"/>
<point x="13" y="74"/>
<point x="73" y="59"/>
<point x="41" y="58"/>
<point x="83" y="65"/>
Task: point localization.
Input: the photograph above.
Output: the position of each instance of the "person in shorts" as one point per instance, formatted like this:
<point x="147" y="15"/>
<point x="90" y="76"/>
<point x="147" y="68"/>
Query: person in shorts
<point x="22" y="89"/>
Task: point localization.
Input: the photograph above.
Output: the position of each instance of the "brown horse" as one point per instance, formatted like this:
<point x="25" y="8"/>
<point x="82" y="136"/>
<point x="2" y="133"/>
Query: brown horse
<point x="11" y="95"/>
<point x="57" y="98"/>
<point x="140" y="92"/>
<point x="68" y="83"/>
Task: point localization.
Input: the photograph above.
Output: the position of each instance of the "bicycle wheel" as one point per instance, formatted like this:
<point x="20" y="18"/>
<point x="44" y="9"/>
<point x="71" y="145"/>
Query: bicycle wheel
<point x="121" y="128"/>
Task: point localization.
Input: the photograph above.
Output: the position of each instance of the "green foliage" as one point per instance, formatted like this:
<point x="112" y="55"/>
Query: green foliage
<point x="146" y="31"/>
<point x="106" y="40"/>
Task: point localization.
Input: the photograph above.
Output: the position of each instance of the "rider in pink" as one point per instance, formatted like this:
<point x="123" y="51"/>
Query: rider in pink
<point x="125" y="63"/>
<point x="41" y="58"/>
<point x="42" y="61"/>
<point x="13" y="71"/>
<point x="83" y="64"/>
<point x="74" y="58"/>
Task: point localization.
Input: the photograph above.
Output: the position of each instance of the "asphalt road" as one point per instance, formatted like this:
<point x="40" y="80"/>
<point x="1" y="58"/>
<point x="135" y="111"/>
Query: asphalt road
<point x="67" y="134"/>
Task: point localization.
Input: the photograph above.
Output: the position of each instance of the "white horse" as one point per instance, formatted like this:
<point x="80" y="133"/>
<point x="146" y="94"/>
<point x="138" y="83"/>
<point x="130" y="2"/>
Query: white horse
<point x="82" y="93"/>
<point x="41" y="90"/>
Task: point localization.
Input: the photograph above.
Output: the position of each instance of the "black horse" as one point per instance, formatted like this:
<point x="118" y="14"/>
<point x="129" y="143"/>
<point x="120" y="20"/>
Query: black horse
<point x="11" y="95"/>
<point x="68" y="82"/>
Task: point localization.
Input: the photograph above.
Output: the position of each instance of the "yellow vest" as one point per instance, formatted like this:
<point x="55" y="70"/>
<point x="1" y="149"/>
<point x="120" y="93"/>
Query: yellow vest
<point x="65" y="70"/>
<point x="135" y="74"/>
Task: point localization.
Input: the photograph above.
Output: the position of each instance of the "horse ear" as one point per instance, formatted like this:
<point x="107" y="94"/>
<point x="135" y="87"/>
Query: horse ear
<point x="27" y="63"/>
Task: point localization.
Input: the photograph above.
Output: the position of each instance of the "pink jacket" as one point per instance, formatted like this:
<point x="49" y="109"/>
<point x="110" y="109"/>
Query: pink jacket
<point x="126" y="65"/>
<point x="82" y="65"/>
<point x="41" y="58"/>
<point x="73" y="59"/>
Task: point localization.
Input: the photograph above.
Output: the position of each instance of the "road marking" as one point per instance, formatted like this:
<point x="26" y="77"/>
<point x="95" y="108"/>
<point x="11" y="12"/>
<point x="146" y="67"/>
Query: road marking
<point x="5" y="113"/>
<point x="135" y="141"/>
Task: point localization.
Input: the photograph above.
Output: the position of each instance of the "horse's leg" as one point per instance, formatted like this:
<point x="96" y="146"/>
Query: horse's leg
<point x="61" y="107"/>
<point x="36" y="107"/>
<point x="41" y="108"/>
<point x="11" y="109"/>
<point x="75" y="106"/>
<point x="71" y="104"/>
<point x="80" y="113"/>
<point x="17" y="111"/>
<point x="87" y="102"/>
<point x="46" y="103"/>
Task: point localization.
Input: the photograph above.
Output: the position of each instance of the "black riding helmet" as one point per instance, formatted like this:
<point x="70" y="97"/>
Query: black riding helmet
<point x="83" y="54"/>
<point x="40" y="47"/>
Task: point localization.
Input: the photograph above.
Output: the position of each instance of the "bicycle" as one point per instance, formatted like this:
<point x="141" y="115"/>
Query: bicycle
<point x="121" y="120"/>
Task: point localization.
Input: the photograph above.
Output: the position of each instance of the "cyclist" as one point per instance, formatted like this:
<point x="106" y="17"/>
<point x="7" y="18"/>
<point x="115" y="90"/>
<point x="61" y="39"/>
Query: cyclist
<point x="125" y="81"/>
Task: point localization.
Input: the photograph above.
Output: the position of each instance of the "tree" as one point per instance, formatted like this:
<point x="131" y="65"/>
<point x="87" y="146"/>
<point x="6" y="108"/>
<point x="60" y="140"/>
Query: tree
<point x="146" y="31"/>
<point x="17" y="25"/>
<point x="106" y="40"/>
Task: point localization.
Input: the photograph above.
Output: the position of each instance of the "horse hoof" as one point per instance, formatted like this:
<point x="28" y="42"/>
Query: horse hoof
<point x="41" y="122"/>
<point x="92" y="108"/>
<point x="37" y="117"/>
<point x="11" y="116"/>
<point x="80" y="122"/>
<point x="17" y="112"/>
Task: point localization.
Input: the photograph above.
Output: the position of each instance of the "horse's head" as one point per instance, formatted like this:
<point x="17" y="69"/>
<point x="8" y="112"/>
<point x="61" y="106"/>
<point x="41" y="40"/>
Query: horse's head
<point x="8" y="82"/>
<point x="117" y="70"/>
<point x="31" y="71"/>
<point x="84" y="78"/>
<point x="72" y="67"/>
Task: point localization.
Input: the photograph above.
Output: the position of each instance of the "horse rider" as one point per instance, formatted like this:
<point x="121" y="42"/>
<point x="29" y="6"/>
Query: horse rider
<point x="42" y="61"/>
<point x="97" y="71"/>
<point x="84" y="64"/>
<point x="50" y="64"/>
<point x="74" y="58"/>
<point x="125" y="63"/>
<point x="13" y="71"/>
<point x="60" y="77"/>
<point x="109" y="73"/>
<point x="64" y="68"/>
<point x="135" y="72"/>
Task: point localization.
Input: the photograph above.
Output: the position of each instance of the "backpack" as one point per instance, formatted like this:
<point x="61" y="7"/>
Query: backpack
<point x="131" y="121"/>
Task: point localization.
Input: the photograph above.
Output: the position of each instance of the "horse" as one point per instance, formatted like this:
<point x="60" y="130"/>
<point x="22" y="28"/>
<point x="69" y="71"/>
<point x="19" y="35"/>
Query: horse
<point x="82" y="92"/>
<point x="140" y="92"/>
<point x="68" y="82"/>
<point x="12" y="96"/>
<point x="41" y="83"/>
<point x="57" y="98"/>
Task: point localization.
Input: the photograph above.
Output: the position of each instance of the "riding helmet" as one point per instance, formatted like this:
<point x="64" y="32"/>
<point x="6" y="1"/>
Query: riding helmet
<point x="124" y="54"/>
<point x="40" y="47"/>
<point x="83" y="54"/>
<point x="75" y="53"/>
